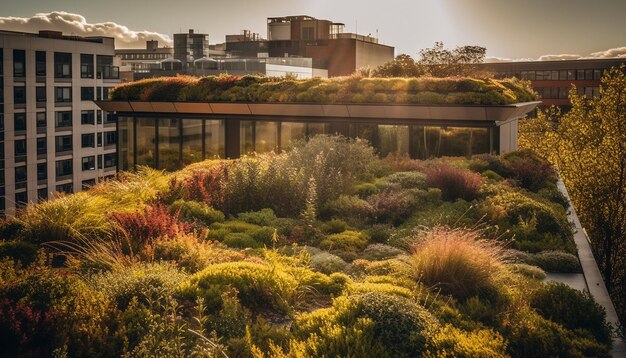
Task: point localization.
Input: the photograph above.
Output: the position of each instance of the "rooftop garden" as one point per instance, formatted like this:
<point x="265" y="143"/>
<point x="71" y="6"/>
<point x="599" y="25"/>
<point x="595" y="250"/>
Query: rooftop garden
<point x="325" y="250"/>
<point x="354" y="89"/>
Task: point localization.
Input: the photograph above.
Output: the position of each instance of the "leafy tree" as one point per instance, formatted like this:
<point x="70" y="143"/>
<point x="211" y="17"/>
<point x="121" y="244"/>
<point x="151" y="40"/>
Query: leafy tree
<point x="402" y="66"/>
<point x="588" y="146"/>
<point x="437" y="61"/>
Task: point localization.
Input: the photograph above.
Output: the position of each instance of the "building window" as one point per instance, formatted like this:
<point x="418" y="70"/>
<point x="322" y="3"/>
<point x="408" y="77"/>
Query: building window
<point x="65" y="188"/>
<point x="110" y="160"/>
<point x="63" y="119"/>
<point x="40" y="63"/>
<point x="63" y="94"/>
<point x="88" y="140"/>
<point x="99" y="93"/>
<point x="19" y="63"/>
<point x="63" y="143"/>
<point x="19" y="121"/>
<point x="110" y="138"/>
<point x="42" y="194"/>
<point x="86" y="66"/>
<point x="87" y="117"/>
<point x="62" y="65"/>
<point x="19" y="95"/>
<point x="99" y="139"/>
<point x="89" y="163"/>
<point x="21" y="199"/>
<point x="88" y="183"/>
<point x="20" y="149"/>
<point x="63" y="168"/>
<point x="20" y="174"/>
<point x="41" y="119"/>
<point x="99" y="116"/>
<point x="86" y="93"/>
<point x="42" y="171"/>
<point x="597" y="75"/>
<point x="40" y="94"/>
<point x="42" y="145"/>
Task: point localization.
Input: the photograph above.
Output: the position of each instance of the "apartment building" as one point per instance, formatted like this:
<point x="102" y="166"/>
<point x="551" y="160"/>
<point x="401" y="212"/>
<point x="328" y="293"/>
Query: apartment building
<point x="189" y="47"/>
<point x="553" y="79"/>
<point x="53" y="138"/>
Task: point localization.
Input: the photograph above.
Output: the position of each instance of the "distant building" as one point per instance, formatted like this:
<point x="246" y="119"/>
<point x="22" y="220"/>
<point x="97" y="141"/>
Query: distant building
<point x="553" y="79"/>
<point x="325" y="41"/>
<point x="190" y="46"/>
<point x="144" y="59"/>
<point x="53" y="138"/>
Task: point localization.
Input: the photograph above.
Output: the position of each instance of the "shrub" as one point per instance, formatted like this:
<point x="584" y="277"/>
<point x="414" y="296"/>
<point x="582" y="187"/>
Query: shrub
<point x="455" y="183"/>
<point x="351" y="208"/>
<point x="197" y="211"/>
<point x="483" y="162"/>
<point x="143" y="282"/>
<point x="457" y="262"/>
<point x="327" y="263"/>
<point x="264" y="235"/>
<point x="21" y="251"/>
<point x="377" y="252"/>
<point x="532" y="272"/>
<point x="10" y="228"/>
<point x="371" y="324"/>
<point x="450" y="341"/>
<point x="144" y="227"/>
<point x="205" y="186"/>
<point x="407" y="180"/>
<point x="263" y="217"/>
<point x="491" y="175"/>
<point x="192" y="254"/>
<point x="571" y="308"/>
<point x="551" y="261"/>
<point x="345" y="244"/>
<point x="379" y="233"/>
<point x="531" y="335"/>
<point x="392" y="206"/>
<point x="334" y="226"/>
<point x="261" y="182"/>
<point x="532" y="172"/>
<point x="258" y="285"/>
<point x="364" y="190"/>
<point x="241" y="241"/>
<point x="335" y="162"/>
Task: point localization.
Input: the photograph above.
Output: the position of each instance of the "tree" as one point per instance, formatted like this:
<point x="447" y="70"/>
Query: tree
<point x="402" y="66"/>
<point x="437" y="62"/>
<point x="588" y="146"/>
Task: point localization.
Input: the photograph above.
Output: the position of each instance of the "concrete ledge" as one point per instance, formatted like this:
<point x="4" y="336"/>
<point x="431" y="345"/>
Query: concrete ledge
<point x="592" y="274"/>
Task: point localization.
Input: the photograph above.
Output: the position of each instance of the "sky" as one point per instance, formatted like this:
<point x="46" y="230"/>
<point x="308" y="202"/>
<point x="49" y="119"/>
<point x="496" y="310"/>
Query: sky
<point x="528" y="29"/>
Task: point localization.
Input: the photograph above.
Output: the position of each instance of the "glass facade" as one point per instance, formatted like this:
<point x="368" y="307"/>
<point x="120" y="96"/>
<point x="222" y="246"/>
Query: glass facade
<point x="168" y="143"/>
<point x="171" y="143"/>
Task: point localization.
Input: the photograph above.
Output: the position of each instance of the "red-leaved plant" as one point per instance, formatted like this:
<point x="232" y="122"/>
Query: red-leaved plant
<point x="455" y="183"/>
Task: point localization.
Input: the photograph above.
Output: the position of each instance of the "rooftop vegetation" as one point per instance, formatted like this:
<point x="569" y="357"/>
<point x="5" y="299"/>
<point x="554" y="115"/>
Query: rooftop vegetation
<point x="308" y="253"/>
<point x="354" y="89"/>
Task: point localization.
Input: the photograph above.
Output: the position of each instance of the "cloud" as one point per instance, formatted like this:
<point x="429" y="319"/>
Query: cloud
<point x="559" y="57"/>
<point x="619" y="52"/>
<point x="75" y="24"/>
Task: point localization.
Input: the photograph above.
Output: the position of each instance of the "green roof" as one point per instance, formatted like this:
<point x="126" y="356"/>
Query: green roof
<point x="423" y="90"/>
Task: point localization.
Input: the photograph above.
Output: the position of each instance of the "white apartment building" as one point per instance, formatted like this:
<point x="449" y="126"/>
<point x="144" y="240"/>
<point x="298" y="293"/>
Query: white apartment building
<point x="53" y="138"/>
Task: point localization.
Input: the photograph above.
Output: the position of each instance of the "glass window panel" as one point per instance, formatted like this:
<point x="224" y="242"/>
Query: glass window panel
<point x="213" y="139"/>
<point x="266" y="137"/>
<point x="393" y="139"/>
<point x="126" y="143"/>
<point x="290" y="132"/>
<point x="146" y="141"/>
<point x="169" y="144"/>
<point x="246" y="137"/>
<point x="192" y="141"/>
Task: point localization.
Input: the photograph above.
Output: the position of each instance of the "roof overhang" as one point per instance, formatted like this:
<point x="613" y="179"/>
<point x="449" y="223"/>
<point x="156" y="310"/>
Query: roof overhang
<point x="466" y="113"/>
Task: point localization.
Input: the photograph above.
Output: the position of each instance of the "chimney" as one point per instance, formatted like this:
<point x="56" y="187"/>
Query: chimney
<point x="190" y="31"/>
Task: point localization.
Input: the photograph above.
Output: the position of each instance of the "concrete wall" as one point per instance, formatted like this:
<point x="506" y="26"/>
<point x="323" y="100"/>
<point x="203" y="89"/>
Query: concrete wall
<point x="508" y="136"/>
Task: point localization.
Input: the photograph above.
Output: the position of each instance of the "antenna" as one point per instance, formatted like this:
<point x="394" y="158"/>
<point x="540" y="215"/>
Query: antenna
<point x="356" y="26"/>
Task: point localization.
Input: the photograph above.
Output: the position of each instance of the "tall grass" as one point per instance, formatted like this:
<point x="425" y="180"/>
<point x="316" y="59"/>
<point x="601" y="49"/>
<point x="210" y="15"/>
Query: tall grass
<point x="67" y="218"/>
<point x="457" y="261"/>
